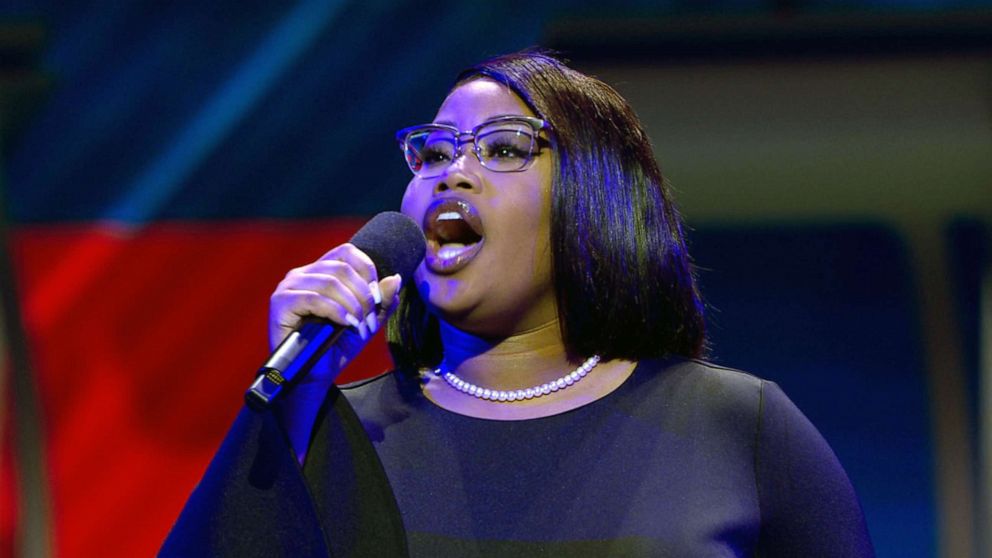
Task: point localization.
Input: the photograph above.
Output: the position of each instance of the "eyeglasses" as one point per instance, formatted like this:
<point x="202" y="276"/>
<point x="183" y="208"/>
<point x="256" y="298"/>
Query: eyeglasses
<point x="503" y="144"/>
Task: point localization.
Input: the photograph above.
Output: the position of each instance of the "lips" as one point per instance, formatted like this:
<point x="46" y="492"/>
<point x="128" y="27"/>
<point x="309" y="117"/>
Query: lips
<point x="454" y="235"/>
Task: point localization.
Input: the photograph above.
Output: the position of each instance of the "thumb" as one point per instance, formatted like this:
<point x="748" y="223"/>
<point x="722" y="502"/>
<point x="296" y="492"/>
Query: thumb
<point x="390" y="287"/>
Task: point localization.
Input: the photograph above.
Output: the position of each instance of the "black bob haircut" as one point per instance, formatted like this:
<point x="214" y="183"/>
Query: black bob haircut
<point x="623" y="279"/>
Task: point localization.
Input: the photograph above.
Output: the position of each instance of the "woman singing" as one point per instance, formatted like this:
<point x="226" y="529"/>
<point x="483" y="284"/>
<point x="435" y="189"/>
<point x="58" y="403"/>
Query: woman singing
<point x="548" y="399"/>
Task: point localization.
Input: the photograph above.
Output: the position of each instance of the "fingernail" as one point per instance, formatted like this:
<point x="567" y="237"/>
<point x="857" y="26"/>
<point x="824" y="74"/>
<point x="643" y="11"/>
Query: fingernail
<point x="363" y="330"/>
<point x="373" y="322"/>
<point x="352" y="321"/>
<point x="399" y="281"/>
<point x="376" y="293"/>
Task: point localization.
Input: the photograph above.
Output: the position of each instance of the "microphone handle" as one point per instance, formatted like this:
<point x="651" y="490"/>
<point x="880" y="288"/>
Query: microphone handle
<point x="291" y="360"/>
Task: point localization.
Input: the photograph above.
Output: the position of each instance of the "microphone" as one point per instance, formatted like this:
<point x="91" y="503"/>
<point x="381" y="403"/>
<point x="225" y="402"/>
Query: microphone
<point x="395" y="244"/>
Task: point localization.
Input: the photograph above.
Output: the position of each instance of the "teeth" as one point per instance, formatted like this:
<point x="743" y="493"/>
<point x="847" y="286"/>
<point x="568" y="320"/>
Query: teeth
<point x="449" y="216"/>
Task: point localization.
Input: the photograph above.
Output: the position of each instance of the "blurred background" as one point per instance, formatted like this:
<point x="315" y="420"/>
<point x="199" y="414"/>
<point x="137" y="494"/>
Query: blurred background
<point x="164" y="164"/>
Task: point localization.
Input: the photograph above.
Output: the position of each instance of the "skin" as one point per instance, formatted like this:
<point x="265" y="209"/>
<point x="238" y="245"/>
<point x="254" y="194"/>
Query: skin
<point x="499" y="319"/>
<point x="514" y="208"/>
<point x="499" y="323"/>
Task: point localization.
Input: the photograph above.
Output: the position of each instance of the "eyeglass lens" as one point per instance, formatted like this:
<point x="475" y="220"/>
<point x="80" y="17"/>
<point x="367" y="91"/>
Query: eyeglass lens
<point x="500" y="146"/>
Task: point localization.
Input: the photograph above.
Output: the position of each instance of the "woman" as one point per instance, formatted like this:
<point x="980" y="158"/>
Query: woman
<point x="546" y="400"/>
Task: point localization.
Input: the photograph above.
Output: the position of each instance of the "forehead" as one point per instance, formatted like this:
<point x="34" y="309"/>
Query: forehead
<point x="478" y="100"/>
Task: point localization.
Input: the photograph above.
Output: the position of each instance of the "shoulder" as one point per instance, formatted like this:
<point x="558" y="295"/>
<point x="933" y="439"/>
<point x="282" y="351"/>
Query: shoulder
<point x="711" y="390"/>
<point x="375" y="388"/>
<point x="362" y="387"/>
<point x="705" y="373"/>
<point x="384" y="399"/>
<point x="692" y="381"/>
<point x="694" y="398"/>
<point x="807" y="504"/>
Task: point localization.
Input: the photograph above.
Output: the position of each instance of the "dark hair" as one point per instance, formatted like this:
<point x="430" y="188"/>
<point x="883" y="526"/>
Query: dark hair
<point x="622" y="276"/>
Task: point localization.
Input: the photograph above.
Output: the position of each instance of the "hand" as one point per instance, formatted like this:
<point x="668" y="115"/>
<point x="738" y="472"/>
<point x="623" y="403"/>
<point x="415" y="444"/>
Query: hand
<point x="343" y="287"/>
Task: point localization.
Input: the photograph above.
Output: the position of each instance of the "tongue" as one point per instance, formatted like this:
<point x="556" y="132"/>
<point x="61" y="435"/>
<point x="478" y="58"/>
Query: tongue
<point x="451" y="250"/>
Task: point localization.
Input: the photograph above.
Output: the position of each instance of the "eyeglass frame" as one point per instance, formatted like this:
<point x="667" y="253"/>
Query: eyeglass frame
<point x="536" y="125"/>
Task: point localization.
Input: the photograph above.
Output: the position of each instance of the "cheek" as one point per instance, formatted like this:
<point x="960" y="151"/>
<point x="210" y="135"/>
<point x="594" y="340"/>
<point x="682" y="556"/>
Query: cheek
<point x="539" y="210"/>
<point x="540" y="195"/>
<point x="528" y="230"/>
<point x="412" y="204"/>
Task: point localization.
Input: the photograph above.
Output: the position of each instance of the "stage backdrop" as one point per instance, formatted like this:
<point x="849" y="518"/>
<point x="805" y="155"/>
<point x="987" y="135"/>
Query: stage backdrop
<point x="187" y="156"/>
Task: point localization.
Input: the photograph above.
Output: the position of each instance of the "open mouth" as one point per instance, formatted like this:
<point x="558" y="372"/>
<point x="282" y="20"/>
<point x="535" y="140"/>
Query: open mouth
<point x="454" y="235"/>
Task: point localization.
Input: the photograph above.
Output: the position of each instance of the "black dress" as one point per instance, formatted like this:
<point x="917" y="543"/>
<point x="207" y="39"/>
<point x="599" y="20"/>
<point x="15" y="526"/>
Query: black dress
<point x="684" y="459"/>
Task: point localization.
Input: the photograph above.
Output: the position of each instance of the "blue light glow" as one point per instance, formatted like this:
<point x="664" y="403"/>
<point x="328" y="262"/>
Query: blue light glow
<point x="220" y="114"/>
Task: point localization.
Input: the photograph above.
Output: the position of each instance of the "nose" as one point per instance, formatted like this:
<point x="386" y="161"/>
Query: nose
<point x="461" y="173"/>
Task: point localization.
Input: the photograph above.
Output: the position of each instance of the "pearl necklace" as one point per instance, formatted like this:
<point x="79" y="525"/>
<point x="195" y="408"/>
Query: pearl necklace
<point x="518" y="394"/>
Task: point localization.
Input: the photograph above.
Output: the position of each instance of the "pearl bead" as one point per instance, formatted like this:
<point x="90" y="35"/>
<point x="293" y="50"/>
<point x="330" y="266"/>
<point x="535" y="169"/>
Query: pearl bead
<point x="519" y="394"/>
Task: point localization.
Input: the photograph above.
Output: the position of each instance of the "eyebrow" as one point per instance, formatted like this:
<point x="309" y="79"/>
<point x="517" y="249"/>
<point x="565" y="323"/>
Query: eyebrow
<point x="493" y="117"/>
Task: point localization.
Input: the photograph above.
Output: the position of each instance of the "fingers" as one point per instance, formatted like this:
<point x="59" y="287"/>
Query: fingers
<point x="338" y="285"/>
<point x="342" y="287"/>
<point x="390" y="292"/>
<point x="360" y="262"/>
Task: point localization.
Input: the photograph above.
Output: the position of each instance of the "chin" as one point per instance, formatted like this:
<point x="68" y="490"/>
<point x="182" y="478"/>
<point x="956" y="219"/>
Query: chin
<point x="459" y="313"/>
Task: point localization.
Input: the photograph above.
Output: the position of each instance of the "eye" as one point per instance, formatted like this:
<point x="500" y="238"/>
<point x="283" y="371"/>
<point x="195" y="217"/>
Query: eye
<point x="433" y="154"/>
<point x="435" y="149"/>
<point x="505" y="145"/>
<point x="505" y="150"/>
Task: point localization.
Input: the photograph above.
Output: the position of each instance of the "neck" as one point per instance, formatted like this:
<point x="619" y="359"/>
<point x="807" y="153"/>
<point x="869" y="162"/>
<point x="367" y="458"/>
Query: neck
<point x="518" y="361"/>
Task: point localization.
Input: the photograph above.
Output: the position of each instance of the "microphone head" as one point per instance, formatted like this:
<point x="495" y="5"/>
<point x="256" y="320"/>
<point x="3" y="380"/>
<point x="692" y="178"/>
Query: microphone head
<point x="394" y="242"/>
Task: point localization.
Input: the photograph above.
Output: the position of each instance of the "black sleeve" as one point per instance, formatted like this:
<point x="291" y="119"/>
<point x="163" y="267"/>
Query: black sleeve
<point x="808" y="506"/>
<point x="252" y="500"/>
<point x="255" y="500"/>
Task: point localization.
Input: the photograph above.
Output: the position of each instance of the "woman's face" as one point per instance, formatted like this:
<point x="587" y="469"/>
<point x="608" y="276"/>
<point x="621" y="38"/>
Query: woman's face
<point x="488" y="264"/>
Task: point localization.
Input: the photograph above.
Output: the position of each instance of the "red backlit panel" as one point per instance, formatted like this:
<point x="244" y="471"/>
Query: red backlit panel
<point x="144" y="341"/>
